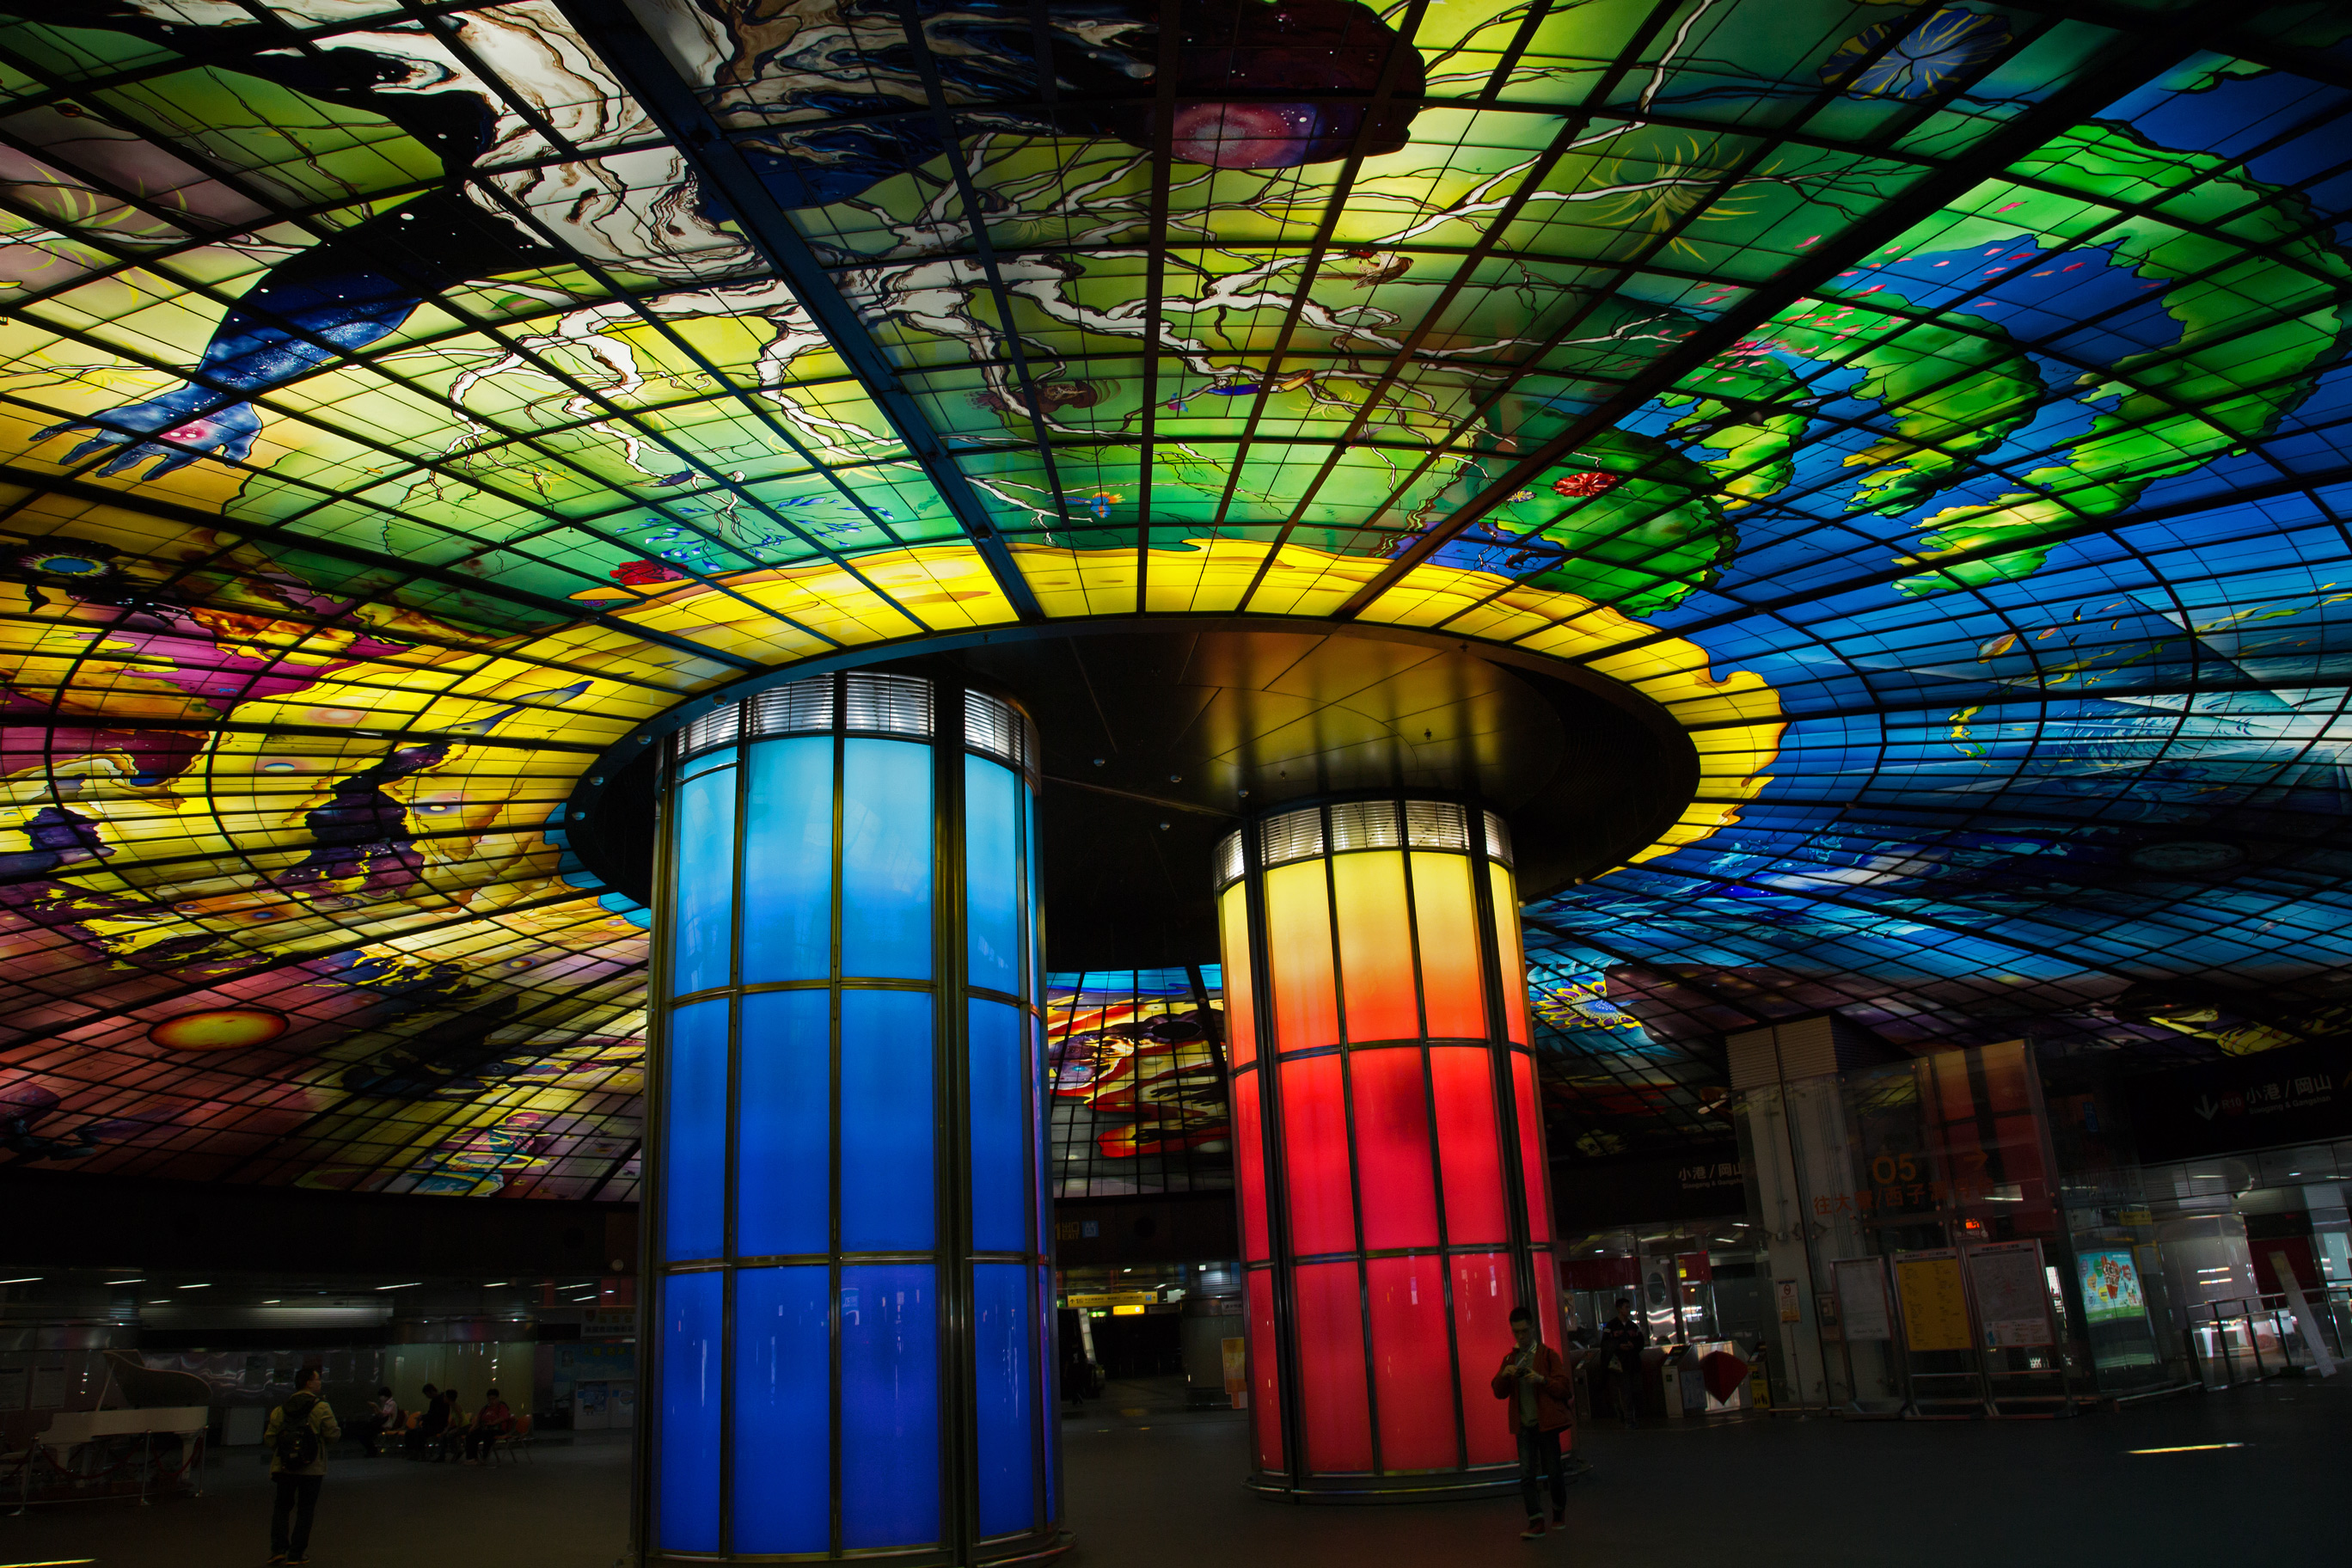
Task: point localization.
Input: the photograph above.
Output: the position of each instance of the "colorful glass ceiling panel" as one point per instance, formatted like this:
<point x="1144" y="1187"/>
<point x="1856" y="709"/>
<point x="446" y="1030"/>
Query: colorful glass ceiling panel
<point x="1939" y="408"/>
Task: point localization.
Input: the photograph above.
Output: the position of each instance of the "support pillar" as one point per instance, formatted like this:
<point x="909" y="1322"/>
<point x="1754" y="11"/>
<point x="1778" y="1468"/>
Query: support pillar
<point x="1388" y="1150"/>
<point x="849" y="1347"/>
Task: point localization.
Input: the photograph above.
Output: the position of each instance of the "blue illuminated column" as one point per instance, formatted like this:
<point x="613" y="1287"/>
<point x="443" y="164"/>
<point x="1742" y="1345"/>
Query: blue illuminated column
<point x="849" y="1349"/>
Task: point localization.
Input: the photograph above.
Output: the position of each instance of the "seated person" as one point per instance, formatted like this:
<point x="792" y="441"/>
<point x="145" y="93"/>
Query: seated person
<point x="453" y="1427"/>
<point x="490" y="1423"/>
<point x="427" y="1439"/>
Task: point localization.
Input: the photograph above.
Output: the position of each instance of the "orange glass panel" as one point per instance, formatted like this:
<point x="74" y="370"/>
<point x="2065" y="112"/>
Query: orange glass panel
<point x="1233" y="950"/>
<point x="1452" y="989"/>
<point x="1511" y="957"/>
<point x="1375" y="946"/>
<point x="1298" y="951"/>
<point x="1393" y="1153"/>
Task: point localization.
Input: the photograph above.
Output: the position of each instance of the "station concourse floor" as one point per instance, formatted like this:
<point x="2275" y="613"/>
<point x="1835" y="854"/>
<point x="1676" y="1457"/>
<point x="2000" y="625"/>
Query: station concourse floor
<point x="1153" y="1486"/>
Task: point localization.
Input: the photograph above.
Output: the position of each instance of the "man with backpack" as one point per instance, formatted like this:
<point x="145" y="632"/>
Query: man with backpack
<point x="298" y="1435"/>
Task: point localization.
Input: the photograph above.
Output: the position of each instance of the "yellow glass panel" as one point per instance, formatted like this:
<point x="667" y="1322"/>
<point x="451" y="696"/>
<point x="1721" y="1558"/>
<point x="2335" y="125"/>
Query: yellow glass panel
<point x="1232" y="952"/>
<point x="1298" y="951"/>
<point x="1512" y="957"/>
<point x="1445" y="917"/>
<point x="1375" y="946"/>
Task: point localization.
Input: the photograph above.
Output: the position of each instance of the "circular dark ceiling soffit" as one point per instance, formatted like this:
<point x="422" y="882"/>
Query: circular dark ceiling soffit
<point x="1158" y="741"/>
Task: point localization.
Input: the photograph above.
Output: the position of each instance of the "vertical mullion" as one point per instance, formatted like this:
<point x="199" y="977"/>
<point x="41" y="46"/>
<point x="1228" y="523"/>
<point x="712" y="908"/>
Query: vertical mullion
<point x="1436" y="1166"/>
<point x="645" y="1513"/>
<point x="1273" y="1183"/>
<point x="951" y="1281"/>
<point x="730" y="1143"/>
<point x="1355" y="1163"/>
<point x="835" y="1327"/>
<point x="1500" y="1047"/>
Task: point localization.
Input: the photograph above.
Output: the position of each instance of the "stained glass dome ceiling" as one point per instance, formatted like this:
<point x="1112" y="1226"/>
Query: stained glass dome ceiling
<point x="1939" y="408"/>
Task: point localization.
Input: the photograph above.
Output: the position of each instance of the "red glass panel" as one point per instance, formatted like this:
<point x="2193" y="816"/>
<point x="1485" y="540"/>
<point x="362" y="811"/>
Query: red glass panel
<point x="1315" y="1158"/>
<point x="1393" y="1167"/>
<point x="1483" y="1300"/>
<point x="1452" y="984"/>
<point x="1551" y="1321"/>
<point x="1375" y="946"/>
<point x="1531" y="1164"/>
<point x="1337" y="1418"/>
<point x="1232" y="950"/>
<point x="1511" y="958"/>
<point x="1462" y="1080"/>
<point x="1264" y="1374"/>
<point x="1249" y="1164"/>
<point x="1412" y="1371"/>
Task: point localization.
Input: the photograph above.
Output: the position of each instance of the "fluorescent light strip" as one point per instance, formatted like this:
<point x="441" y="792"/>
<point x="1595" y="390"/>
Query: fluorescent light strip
<point x="2186" y="1448"/>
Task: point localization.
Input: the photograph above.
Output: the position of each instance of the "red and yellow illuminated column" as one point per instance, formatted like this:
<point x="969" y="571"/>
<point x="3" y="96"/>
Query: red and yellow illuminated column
<point x="1389" y="1152"/>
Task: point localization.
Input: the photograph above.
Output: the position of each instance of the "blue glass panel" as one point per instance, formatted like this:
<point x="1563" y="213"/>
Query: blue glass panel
<point x="1004" y="1396"/>
<point x="1049" y="1396"/>
<point x="889" y="1405"/>
<point x="1045" y="1187"/>
<point x="783" y="1438"/>
<point x="688" y="1478"/>
<point x="886" y="860"/>
<point x="788" y="861"/>
<point x="1002" y="1144"/>
<point x="991" y="871"/>
<point x="702" y="876"/>
<point x="886" y="1121"/>
<point x="784" y="1124"/>
<point x="694" y="1133"/>
<point x="1033" y="960"/>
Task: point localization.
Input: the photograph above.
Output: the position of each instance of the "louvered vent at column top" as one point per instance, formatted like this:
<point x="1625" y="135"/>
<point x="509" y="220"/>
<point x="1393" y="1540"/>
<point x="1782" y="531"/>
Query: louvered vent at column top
<point x="1498" y="839"/>
<point x="890" y="704"/>
<point x="794" y="709"/>
<point x="1225" y="862"/>
<point x="1436" y="824"/>
<point x="997" y="729"/>
<point x="1292" y="835"/>
<point x="1365" y="825"/>
<point x="715" y="729"/>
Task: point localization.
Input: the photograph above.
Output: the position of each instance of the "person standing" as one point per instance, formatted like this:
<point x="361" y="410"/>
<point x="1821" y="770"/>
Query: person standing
<point x="1622" y="1339"/>
<point x="416" y="1438"/>
<point x="298" y="1435"/>
<point x="1534" y="1379"/>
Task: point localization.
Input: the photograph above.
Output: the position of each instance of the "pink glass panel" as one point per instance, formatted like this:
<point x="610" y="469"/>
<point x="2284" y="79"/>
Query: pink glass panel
<point x="1375" y="946"/>
<point x="1249" y="1164"/>
<point x="1392" y="1163"/>
<point x="1315" y="1158"/>
<point x="1337" y="1417"/>
<point x="1452" y="988"/>
<point x="1462" y="1079"/>
<point x="1483" y="1300"/>
<point x="1531" y="1164"/>
<point x="1511" y="958"/>
<point x="1232" y="950"/>
<point x="1265" y="1376"/>
<point x="1298" y="951"/>
<point x="1549" y="1322"/>
<point x="1411" y="1370"/>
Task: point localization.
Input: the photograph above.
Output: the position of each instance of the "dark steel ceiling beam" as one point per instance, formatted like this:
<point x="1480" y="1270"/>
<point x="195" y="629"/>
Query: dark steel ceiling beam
<point x="638" y="62"/>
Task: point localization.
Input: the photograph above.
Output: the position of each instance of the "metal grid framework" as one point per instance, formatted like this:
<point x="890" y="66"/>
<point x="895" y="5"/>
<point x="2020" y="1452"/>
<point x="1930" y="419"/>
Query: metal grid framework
<point x="1138" y="1081"/>
<point x="1938" y="410"/>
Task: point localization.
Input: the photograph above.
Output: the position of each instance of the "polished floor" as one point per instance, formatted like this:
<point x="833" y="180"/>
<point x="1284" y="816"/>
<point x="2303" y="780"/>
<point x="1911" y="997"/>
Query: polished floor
<point x="1151" y="1486"/>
